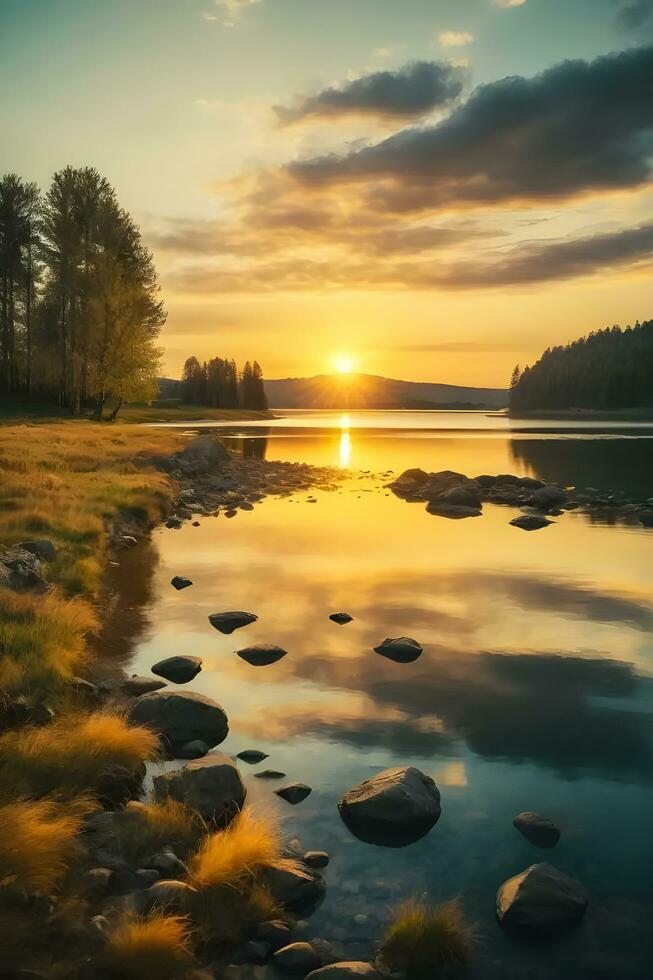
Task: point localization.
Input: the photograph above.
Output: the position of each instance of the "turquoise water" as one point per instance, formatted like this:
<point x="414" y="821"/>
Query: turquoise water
<point x="534" y="690"/>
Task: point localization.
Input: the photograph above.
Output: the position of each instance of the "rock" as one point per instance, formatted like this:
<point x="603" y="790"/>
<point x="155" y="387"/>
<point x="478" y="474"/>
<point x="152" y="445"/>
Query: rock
<point x="409" y="480"/>
<point x="212" y="786"/>
<point x="275" y="933"/>
<point x="316" y="859"/>
<point x="295" y="888"/>
<point x="530" y="522"/>
<point x="169" y="894"/>
<point x="262" y="654"/>
<point x="115" y="785"/>
<point x="167" y="864"/>
<point x="394" y="808"/>
<point x="297" y="958"/>
<point x="181" y="717"/>
<point x="179" y="670"/>
<point x="174" y="523"/>
<point x="254" y="951"/>
<point x="179" y="582"/>
<point x="546" y="497"/>
<point x="42" y="548"/>
<point x="227" y="622"/>
<point x="145" y="877"/>
<point x="97" y="881"/>
<point x="192" y="750"/>
<point x="345" y="970"/>
<point x="127" y="541"/>
<point x="537" y="829"/>
<point x="203" y="454"/>
<point x="269" y="774"/>
<point x="85" y="688"/>
<point x="136" y="685"/>
<point x="294" y="793"/>
<point x="403" y="650"/>
<point x="442" y="508"/>
<point x="99" y="925"/>
<point x="541" y="902"/>
<point x="341" y="618"/>
<point x="646" y="517"/>
<point x="252" y="756"/>
<point x="21" y="570"/>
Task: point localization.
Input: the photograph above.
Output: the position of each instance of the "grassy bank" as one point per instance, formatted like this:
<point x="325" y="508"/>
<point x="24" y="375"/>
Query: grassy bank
<point x="13" y="413"/>
<point x="68" y="482"/>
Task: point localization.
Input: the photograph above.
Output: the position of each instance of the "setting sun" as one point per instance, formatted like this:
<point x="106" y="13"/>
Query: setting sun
<point x="344" y="363"/>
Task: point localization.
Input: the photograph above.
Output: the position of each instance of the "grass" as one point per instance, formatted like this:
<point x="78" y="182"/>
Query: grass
<point x="154" y="948"/>
<point x="70" y="755"/>
<point x="231" y="897"/>
<point x="427" y="942"/>
<point x="147" y="829"/>
<point x="188" y="413"/>
<point x="39" y="842"/>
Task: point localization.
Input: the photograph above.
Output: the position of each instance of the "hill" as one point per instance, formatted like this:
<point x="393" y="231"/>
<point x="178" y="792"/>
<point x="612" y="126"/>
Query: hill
<point x="608" y="369"/>
<point x="371" y="391"/>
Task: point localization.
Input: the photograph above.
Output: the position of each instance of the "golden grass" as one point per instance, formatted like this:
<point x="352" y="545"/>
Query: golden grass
<point x="154" y="948"/>
<point x="70" y="755"/>
<point x="39" y="842"/>
<point x="230" y="896"/>
<point x="425" y="942"/>
<point x="143" y="831"/>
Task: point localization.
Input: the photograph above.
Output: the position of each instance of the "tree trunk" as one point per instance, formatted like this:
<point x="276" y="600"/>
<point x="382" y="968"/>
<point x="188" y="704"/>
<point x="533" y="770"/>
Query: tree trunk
<point x="99" y="406"/>
<point x="114" y="414"/>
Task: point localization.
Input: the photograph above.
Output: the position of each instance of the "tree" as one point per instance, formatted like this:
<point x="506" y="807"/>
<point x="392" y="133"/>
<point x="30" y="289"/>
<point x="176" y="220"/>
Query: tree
<point x="514" y="377"/>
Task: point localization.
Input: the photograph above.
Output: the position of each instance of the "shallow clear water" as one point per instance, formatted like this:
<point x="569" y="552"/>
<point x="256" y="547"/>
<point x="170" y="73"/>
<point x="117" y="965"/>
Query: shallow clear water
<point x="534" y="691"/>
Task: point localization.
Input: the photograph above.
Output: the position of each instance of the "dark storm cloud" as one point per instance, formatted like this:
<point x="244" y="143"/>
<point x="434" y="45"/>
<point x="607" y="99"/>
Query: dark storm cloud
<point x="577" y="127"/>
<point x="634" y="14"/>
<point x="413" y="90"/>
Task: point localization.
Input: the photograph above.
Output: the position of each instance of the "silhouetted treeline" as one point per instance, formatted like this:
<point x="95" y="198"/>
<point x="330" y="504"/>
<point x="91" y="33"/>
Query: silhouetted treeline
<point x="218" y="383"/>
<point x="612" y="368"/>
<point x="79" y="299"/>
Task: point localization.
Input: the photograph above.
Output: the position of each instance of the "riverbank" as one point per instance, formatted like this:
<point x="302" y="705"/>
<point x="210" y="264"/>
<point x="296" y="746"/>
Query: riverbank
<point x="23" y="413"/>
<point x="584" y="414"/>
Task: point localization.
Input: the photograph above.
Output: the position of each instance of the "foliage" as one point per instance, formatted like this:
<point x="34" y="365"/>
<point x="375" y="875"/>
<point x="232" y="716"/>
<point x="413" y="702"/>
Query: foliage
<point x="71" y="755"/>
<point x="154" y="948"/>
<point x="226" y="871"/>
<point x="426" y="943"/>
<point x="80" y="309"/>
<point x="145" y="830"/>
<point x="39" y="842"/>
<point x="609" y="369"/>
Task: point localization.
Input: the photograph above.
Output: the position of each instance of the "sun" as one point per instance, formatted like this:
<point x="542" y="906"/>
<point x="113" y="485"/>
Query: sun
<point x="343" y="363"/>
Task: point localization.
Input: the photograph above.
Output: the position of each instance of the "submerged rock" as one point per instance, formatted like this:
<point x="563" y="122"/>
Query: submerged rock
<point x="294" y="793"/>
<point x="213" y="786"/>
<point x="252" y="756"/>
<point x="295" y="888"/>
<point x="262" y="654"/>
<point x="297" y="958"/>
<point x="341" y="618"/>
<point x="393" y="808"/>
<point x="270" y="774"/>
<point x="541" y="902"/>
<point x="316" y="859"/>
<point x="137" y="685"/>
<point x="530" y="522"/>
<point x="179" y="669"/>
<point x="181" y="717"/>
<point x="196" y="749"/>
<point x="227" y="622"/>
<point x="549" y="496"/>
<point x="179" y="582"/>
<point x="402" y="649"/>
<point x="347" y="970"/>
<point x="537" y="829"/>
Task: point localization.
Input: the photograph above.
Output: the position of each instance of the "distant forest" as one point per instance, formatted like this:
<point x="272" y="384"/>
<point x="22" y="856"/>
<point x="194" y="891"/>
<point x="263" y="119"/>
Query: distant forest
<point x="218" y="384"/>
<point x="609" y="369"/>
<point x="80" y="310"/>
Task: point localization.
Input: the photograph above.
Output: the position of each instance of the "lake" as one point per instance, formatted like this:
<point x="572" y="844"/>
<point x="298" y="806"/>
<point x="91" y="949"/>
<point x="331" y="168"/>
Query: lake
<point x="534" y="691"/>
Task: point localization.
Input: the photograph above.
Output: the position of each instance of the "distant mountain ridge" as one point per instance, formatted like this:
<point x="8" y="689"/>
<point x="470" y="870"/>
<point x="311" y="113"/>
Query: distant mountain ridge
<point x="371" y="391"/>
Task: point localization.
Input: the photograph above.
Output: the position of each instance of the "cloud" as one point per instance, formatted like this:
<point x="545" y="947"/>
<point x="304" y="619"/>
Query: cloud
<point x="233" y="9"/>
<point x="576" y="128"/>
<point x="455" y="39"/>
<point x="508" y="3"/>
<point x="634" y="14"/>
<point x="415" y="89"/>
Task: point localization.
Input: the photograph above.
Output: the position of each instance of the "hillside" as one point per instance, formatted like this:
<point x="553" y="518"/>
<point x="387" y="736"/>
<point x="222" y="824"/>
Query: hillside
<point x="371" y="391"/>
<point x="609" y="369"/>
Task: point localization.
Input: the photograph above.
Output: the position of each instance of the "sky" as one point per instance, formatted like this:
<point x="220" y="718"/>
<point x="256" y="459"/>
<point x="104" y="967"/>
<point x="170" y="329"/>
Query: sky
<point x="433" y="190"/>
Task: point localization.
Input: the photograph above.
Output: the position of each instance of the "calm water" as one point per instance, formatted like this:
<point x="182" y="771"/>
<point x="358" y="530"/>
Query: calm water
<point x="535" y="689"/>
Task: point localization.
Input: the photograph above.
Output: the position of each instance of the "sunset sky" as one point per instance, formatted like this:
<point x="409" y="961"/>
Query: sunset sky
<point x="435" y="189"/>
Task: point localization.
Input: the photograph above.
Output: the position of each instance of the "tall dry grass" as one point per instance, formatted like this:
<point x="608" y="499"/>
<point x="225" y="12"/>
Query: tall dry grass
<point x="154" y="948"/>
<point x="143" y="831"/>
<point x="427" y="942"/>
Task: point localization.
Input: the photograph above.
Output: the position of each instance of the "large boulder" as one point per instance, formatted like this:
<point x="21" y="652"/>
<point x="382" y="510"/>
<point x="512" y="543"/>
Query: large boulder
<point x="345" y="971"/>
<point x="136" y="685"/>
<point x="409" y="481"/>
<point x="294" y="887"/>
<point x="548" y="497"/>
<point x="43" y="548"/>
<point x="181" y="717"/>
<point x="262" y="654"/>
<point x="537" y="829"/>
<point x="541" y="902"/>
<point x="393" y="808"/>
<point x="179" y="670"/>
<point x="213" y="786"/>
<point x="203" y="454"/>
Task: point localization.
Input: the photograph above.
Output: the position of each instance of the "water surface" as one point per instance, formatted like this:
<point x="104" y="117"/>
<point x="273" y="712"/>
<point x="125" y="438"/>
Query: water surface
<point x="534" y="691"/>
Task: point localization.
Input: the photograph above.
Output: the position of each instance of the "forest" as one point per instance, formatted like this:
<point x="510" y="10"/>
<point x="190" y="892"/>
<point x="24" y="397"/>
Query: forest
<point x="80" y="310"/>
<point x="219" y="384"/>
<point x="607" y="369"/>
